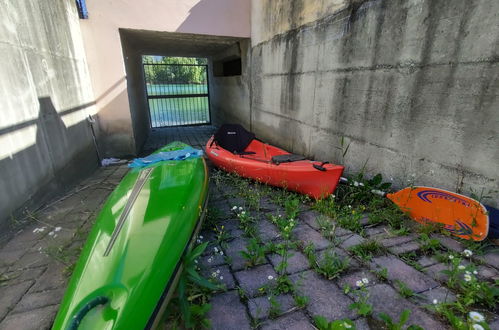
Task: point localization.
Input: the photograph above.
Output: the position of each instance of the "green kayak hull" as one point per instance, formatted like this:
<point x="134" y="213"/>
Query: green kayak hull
<point x="128" y="266"/>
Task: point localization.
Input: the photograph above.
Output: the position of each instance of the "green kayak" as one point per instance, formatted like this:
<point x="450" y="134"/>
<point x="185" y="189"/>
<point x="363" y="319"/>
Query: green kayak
<point x="130" y="263"/>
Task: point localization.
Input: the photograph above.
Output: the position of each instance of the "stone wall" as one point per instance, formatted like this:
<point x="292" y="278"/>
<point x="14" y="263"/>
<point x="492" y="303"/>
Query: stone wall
<point x="410" y="86"/>
<point x="45" y="98"/>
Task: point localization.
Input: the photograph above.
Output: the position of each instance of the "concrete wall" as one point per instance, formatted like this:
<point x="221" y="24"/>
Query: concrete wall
<point x="45" y="97"/>
<point x="411" y="86"/>
<point x="104" y="52"/>
<point x="230" y="96"/>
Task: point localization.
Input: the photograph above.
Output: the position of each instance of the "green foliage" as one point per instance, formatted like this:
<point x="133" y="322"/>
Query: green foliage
<point x="323" y="324"/>
<point x="188" y="73"/>
<point x="368" y="249"/>
<point x="361" y="306"/>
<point x="191" y="303"/>
<point x="300" y="300"/>
<point x="275" y="307"/>
<point x="292" y="207"/>
<point x="254" y="254"/>
<point x="404" y="317"/>
<point x="403" y="289"/>
<point x="330" y="265"/>
<point x="429" y="245"/>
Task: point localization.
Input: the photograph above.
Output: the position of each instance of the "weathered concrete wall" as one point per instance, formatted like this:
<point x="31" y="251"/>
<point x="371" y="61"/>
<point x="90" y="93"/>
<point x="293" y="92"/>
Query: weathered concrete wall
<point x="104" y="50"/>
<point x="230" y="96"/>
<point x="411" y="86"/>
<point x="45" y="97"/>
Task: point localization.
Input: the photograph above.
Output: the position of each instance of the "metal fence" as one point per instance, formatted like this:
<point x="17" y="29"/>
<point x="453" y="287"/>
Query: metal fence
<point x="177" y="94"/>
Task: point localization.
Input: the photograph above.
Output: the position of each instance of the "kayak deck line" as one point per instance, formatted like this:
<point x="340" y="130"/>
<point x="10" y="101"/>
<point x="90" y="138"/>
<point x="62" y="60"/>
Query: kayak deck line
<point x="139" y="184"/>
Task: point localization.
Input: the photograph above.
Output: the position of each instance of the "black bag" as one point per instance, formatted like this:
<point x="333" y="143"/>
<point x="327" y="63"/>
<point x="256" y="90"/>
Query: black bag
<point x="233" y="138"/>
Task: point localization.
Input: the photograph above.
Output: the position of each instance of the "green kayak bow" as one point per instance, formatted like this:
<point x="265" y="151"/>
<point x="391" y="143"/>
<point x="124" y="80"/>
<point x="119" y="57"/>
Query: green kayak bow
<point x="129" y="265"/>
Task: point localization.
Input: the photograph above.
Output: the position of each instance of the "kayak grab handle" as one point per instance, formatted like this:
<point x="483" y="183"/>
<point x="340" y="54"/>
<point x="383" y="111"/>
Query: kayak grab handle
<point x="320" y="167"/>
<point x="75" y="322"/>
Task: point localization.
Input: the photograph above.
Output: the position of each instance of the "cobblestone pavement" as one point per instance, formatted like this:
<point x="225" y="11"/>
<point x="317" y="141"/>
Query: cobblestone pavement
<point x="34" y="264"/>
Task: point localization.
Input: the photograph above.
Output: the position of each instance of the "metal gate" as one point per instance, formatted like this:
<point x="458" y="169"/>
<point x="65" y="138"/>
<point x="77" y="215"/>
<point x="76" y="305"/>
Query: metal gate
<point x="177" y="94"/>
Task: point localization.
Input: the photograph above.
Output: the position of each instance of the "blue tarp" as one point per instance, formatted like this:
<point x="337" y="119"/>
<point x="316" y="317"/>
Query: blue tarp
<point x="167" y="155"/>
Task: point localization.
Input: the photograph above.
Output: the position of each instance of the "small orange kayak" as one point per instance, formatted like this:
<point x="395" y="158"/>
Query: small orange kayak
<point x="460" y="215"/>
<point x="270" y="165"/>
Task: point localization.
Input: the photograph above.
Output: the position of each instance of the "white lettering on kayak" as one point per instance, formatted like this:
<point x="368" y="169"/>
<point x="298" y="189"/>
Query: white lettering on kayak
<point x="213" y="152"/>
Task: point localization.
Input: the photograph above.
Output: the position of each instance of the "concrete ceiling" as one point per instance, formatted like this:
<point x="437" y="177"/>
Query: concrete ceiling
<point x="174" y="44"/>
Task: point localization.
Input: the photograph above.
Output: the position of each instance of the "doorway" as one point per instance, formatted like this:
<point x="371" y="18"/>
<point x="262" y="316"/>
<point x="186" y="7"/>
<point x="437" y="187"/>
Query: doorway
<point x="177" y="90"/>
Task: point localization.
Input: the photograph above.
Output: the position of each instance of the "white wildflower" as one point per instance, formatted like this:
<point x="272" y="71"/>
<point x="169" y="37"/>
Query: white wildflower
<point x="201" y="237"/>
<point x="221" y="277"/>
<point x="435" y="301"/>
<point x="240" y="208"/>
<point x="221" y="253"/>
<point x="461" y="267"/>
<point x="365" y="281"/>
<point x="467" y="272"/>
<point x="218" y="271"/>
<point x="475" y="272"/>
<point x="477" y="327"/>
<point x="346" y="325"/>
<point x="196" y="261"/>
<point x="215" y="249"/>
<point x="359" y="283"/>
<point x="356" y="184"/>
<point x="39" y="230"/>
<point x="210" y="259"/>
<point x="467" y="253"/>
<point x="270" y="277"/>
<point x="234" y="208"/>
<point x="476" y="317"/>
<point x="467" y="277"/>
<point x="349" y="206"/>
<point x="334" y="196"/>
<point x="51" y="233"/>
<point x="213" y="274"/>
<point x="451" y="257"/>
<point x="55" y="235"/>
<point x="243" y="212"/>
<point x="56" y="229"/>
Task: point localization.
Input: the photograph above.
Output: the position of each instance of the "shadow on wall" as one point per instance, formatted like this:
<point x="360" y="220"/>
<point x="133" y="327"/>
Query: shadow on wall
<point x="58" y="157"/>
<point x="201" y="15"/>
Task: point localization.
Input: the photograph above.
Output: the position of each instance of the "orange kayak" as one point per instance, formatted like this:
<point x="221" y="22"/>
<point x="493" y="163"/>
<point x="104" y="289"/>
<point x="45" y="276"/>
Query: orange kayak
<point x="277" y="167"/>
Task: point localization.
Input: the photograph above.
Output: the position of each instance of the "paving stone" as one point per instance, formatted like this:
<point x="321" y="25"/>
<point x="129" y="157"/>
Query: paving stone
<point x="352" y="263"/>
<point x="364" y="221"/>
<point x="227" y="312"/>
<point x="52" y="278"/>
<point x="10" y="295"/>
<point x="376" y="231"/>
<point x="435" y="271"/>
<point x="426" y="261"/>
<point x="32" y="260"/>
<point x="297" y="262"/>
<point x="386" y="300"/>
<point x="352" y="278"/>
<point x="293" y="321"/>
<point x="351" y="240"/>
<point x="23" y="275"/>
<point x="37" y="319"/>
<point x="398" y="270"/>
<point x="310" y="218"/>
<point x="26" y="237"/>
<point x="441" y="294"/>
<point x="404" y="248"/>
<point x="212" y="259"/>
<point x="223" y="275"/>
<point x="307" y="235"/>
<point x="398" y="240"/>
<point x="253" y="279"/>
<point x="361" y="324"/>
<point x="486" y="273"/>
<point x="7" y="258"/>
<point x="232" y="251"/>
<point x="449" y="243"/>
<point x="491" y="258"/>
<point x="494" y="324"/>
<point x="325" y="298"/>
<point x="266" y="204"/>
<point x="32" y="301"/>
<point x="268" y="231"/>
<point x="259" y="307"/>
